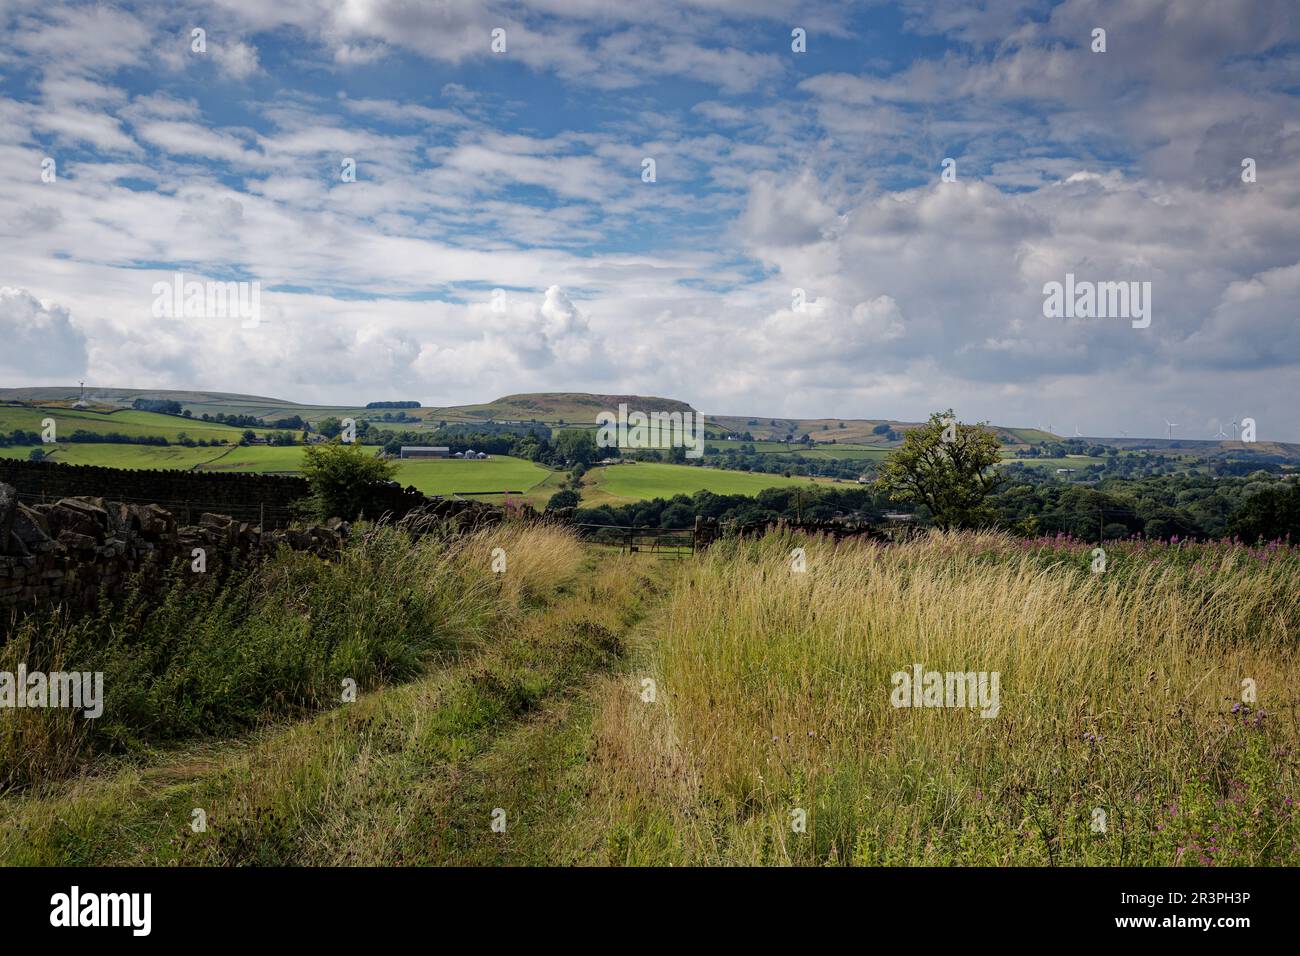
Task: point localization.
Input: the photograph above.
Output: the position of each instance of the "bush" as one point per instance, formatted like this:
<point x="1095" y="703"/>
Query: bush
<point x="563" y="499"/>
<point x="342" y="478"/>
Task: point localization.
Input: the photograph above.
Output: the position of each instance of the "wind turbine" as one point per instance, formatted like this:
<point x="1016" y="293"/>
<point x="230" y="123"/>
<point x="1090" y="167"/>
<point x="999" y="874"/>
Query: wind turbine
<point x="1172" y="426"/>
<point x="1234" y="429"/>
<point x="1222" y="433"/>
<point x="1076" y="432"/>
<point x="1124" y="433"/>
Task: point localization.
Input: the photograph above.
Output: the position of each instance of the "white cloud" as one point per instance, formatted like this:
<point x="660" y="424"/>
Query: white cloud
<point x="42" y="343"/>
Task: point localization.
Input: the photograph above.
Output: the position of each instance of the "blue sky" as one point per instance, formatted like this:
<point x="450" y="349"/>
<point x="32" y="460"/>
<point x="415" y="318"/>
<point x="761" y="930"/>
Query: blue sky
<point x="776" y="171"/>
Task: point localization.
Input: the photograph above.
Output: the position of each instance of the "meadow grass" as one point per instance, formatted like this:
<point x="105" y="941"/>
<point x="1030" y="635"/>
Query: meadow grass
<point x="210" y="657"/>
<point x="409" y="774"/>
<point x="1121" y="693"/>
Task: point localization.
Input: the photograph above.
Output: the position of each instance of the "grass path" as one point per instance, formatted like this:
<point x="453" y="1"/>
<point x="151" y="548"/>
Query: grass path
<point x="409" y="774"/>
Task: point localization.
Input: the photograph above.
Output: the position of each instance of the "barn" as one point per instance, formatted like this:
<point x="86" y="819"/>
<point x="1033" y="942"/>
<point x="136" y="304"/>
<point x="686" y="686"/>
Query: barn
<point x="425" y="451"/>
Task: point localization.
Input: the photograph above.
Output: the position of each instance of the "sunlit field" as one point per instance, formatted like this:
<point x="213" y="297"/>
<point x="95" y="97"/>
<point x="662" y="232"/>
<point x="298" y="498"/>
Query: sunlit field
<point x="1146" y="711"/>
<point x="621" y="484"/>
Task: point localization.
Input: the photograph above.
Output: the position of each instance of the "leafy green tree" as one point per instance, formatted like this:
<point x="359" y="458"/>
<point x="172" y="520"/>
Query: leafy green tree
<point x="330" y="427"/>
<point x="949" y="468"/>
<point x="1268" y="515"/>
<point x="576" y="446"/>
<point x="342" y="477"/>
<point x="563" y="499"/>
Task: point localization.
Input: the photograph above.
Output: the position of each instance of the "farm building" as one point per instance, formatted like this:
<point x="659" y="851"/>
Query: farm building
<point x="425" y="451"/>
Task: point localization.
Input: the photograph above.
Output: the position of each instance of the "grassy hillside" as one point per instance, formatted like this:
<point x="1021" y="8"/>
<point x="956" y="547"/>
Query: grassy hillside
<point x="578" y="408"/>
<point x="126" y="421"/>
<point x="120" y="456"/>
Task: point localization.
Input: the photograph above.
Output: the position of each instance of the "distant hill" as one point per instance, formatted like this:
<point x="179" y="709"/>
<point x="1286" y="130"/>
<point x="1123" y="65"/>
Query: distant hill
<point x="580" y="409"/>
<point x="572" y="407"/>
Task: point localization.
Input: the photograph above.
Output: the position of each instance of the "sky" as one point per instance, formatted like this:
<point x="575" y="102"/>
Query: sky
<point x="761" y="207"/>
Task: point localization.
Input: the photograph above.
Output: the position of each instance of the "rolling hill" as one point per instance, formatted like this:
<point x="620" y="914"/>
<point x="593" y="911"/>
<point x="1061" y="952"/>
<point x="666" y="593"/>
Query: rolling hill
<point x="555" y="409"/>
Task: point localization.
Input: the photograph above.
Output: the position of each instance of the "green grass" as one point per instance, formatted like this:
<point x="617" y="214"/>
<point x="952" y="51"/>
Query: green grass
<point x="258" y="458"/>
<point x="498" y="473"/>
<point x="407" y="775"/>
<point x="127" y="421"/>
<point x="438" y="477"/>
<point x="119" y="456"/>
<point x="1120" y="692"/>
<point x="210" y="656"/>
<point x="621" y="484"/>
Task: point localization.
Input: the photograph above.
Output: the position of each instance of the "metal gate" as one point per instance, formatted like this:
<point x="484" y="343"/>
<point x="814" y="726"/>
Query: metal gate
<point x="663" y="542"/>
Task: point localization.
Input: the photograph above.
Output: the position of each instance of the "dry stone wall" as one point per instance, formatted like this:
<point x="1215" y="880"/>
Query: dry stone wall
<point x="68" y="551"/>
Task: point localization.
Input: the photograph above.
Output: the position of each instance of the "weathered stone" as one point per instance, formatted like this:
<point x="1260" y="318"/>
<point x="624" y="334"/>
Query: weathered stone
<point x="77" y="542"/>
<point x="8" y="508"/>
<point x="29" y="527"/>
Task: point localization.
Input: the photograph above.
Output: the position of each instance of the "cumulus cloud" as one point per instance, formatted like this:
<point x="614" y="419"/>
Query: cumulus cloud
<point x="775" y="174"/>
<point x="41" y="341"/>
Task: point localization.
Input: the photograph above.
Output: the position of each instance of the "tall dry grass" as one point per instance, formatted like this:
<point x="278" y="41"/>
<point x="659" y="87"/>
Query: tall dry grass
<point x="1120" y="692"/>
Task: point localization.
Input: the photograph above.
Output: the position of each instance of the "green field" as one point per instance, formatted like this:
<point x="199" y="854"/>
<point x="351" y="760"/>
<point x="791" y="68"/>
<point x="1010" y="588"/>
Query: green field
<point x="119" y="456"/>
<point x="437" y="477"/>
<point x="127" y="421"/>
<point x="622" y="484"/>
<point x="260" y="458"/>
<point x="498" y="473"/>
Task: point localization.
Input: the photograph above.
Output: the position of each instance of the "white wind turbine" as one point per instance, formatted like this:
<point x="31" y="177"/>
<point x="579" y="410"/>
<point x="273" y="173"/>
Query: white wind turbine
<point x="1077" y="433"/>
<point x="1222" y="433"/>
<point x="1172" y="426"/>
<point x="1235" y="427"/>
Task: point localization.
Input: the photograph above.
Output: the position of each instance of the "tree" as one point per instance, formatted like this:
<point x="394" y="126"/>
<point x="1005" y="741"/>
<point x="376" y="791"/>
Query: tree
<point x="576" y="446"/>
<point x="948" y="467"/>
<point x="342" y="477"/>
<point x="330" y="427"/>
<point x="563" y="499"/>
<point x="1268" y="515"/>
